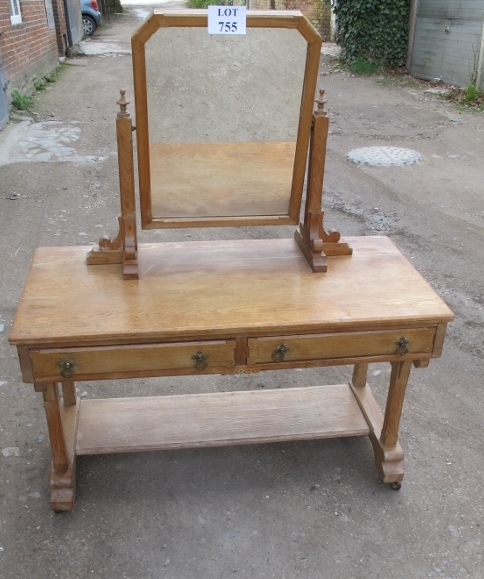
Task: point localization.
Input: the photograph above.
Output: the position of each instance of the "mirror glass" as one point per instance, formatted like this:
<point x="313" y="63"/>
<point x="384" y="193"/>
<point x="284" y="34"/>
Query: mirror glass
<point x="223" y="115"/>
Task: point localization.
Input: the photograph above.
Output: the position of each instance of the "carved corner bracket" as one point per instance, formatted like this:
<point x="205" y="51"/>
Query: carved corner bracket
<point x="314" y="241"/>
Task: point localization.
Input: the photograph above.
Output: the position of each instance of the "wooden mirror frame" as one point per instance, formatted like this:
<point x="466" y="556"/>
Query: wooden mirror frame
<point x="315" y="242"/>
<point x="291" y="20"/>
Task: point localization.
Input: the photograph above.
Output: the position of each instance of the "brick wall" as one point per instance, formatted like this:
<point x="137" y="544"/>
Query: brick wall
<point x="60" y="26"/>
<point x="316" y="11"/>
<point x="29" y="50"/>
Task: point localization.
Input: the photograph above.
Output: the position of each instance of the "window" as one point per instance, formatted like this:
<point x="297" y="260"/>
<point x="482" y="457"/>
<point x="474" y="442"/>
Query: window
<point x="15" y="14"/>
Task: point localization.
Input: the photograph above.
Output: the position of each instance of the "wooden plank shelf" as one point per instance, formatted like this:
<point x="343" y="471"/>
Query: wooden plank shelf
<point x="218" y="419"/>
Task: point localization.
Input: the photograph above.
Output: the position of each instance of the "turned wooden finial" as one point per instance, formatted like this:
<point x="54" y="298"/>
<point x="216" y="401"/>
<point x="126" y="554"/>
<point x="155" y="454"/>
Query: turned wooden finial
<point x="123" y="103"/>
<point x="321" y="101"/>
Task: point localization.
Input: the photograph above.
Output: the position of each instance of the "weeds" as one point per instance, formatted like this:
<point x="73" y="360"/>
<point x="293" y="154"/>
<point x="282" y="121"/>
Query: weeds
<point x="399" y="77"/>
<point x="385" y="81"/>
<point x="55" y="74"/>
<point x="468" y="98"/>
<point x="20" y="101"/>
<point x="471" y="94"/>
<point x="23" y="102"/>
<point x="363" y="66"/>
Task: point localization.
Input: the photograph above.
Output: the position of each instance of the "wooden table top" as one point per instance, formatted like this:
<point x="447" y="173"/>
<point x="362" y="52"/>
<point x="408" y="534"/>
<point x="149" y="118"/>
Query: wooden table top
<point x="220" y="289"/>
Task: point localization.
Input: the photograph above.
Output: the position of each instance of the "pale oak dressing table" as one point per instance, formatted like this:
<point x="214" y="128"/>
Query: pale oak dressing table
<point x="222" y="307"/>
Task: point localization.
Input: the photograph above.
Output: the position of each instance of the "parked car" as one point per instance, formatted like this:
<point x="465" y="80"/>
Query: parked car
<point x="91" y="17"/>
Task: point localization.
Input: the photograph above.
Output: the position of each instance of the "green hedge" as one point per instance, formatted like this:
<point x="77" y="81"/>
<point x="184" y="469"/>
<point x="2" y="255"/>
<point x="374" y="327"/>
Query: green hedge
<point x="375" y="30"/>
<point x="204" y="3"/>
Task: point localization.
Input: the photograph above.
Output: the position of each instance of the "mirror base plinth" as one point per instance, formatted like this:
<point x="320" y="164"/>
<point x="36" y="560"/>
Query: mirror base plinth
<point x="130" y="271"/>
<point x="118" y="250"/>
<point x="316" y="260"/>
<point x="99" y="256"/>
<point x="340" y="248"/>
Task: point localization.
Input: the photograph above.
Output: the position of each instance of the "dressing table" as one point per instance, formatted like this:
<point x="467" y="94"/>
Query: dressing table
<point x="127" y="310"/>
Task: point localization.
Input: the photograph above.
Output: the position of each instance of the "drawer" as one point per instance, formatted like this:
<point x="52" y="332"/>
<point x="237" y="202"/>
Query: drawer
<point x="134" y="361"/>
<point x="316" y="347"/>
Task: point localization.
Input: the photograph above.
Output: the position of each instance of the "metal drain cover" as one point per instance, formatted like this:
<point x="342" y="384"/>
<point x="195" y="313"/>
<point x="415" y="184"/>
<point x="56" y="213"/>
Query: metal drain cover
<point x="384" y="156"/>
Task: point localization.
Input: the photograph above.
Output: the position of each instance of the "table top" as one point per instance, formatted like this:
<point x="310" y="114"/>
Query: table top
<point x="220" y="289"/>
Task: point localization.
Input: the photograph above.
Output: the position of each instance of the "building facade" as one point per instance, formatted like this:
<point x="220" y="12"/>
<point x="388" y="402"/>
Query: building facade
<point x="33" y="35"/>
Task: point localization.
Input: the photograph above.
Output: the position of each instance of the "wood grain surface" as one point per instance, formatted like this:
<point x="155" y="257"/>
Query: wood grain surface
<point x="219" y="289"/>
<point x="218" y="419"/>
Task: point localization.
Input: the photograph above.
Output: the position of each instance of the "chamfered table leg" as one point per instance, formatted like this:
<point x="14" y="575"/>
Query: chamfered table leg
<point x="360" y="372"/>
<point x="384" y="427"/>
<point x="69" y="393"/>
<point x="393" y="410"/>
<point x="62" y="417"/>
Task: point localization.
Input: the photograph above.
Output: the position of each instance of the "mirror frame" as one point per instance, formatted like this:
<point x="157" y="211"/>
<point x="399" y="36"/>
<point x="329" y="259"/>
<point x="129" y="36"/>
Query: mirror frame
<point x="199" y="19"/>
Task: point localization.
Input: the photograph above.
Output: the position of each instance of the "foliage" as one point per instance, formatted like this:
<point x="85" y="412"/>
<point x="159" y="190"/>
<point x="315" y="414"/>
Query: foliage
<point x="374" y="30"/>
<point x="362" y="66"/>
<point x="471" y="93"/>
<point x="204" y="3"/>
<point x="21" y="101"/>
<point x="469" y="98"/>
<point x="55" y="74"/>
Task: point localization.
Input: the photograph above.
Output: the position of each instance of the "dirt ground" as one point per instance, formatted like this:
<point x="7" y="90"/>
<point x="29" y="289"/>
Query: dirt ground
<point x="292" y="510"/>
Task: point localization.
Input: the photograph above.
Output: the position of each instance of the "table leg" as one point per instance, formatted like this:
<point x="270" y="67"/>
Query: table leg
<point x="69" y="393"/>
<point x="60" y="457"/>
<point x="393" y="411"/>
<point x="384" y="428"/>
<point x="360" y="373"/>
<point x="62" y="425"/>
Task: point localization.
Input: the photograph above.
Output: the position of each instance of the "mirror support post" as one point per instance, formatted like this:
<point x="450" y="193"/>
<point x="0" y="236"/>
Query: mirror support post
<point x="124" y="132"/>
<point x="314" y="241"/>
<point x="124" y="248"/>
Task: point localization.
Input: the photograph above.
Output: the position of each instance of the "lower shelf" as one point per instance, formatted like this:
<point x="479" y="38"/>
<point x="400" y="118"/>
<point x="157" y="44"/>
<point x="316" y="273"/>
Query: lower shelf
<point x="218" y="419"/>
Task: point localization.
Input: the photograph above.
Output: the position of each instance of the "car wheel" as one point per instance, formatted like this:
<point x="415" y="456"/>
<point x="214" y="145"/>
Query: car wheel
<point x="89" y="25"/>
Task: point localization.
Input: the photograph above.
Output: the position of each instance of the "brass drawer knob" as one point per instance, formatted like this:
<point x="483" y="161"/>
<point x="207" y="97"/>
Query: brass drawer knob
<point x="67" y="368"/>
<point x="200" y="360"/>
<point x="280" y="352"/>
<point x="402" y="344"/>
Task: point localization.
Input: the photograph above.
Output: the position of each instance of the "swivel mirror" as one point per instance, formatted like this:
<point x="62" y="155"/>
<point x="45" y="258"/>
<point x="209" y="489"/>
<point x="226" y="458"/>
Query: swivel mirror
<point x="223" y="128"/>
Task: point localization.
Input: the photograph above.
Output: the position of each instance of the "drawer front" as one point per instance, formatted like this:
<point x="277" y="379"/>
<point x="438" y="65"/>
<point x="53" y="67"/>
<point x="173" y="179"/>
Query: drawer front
<point x="134" y="361"/>
<point x="287" y="349"/>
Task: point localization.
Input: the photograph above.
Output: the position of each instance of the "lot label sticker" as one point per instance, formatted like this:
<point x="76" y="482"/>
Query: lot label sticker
<point x="227" y="19"/>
